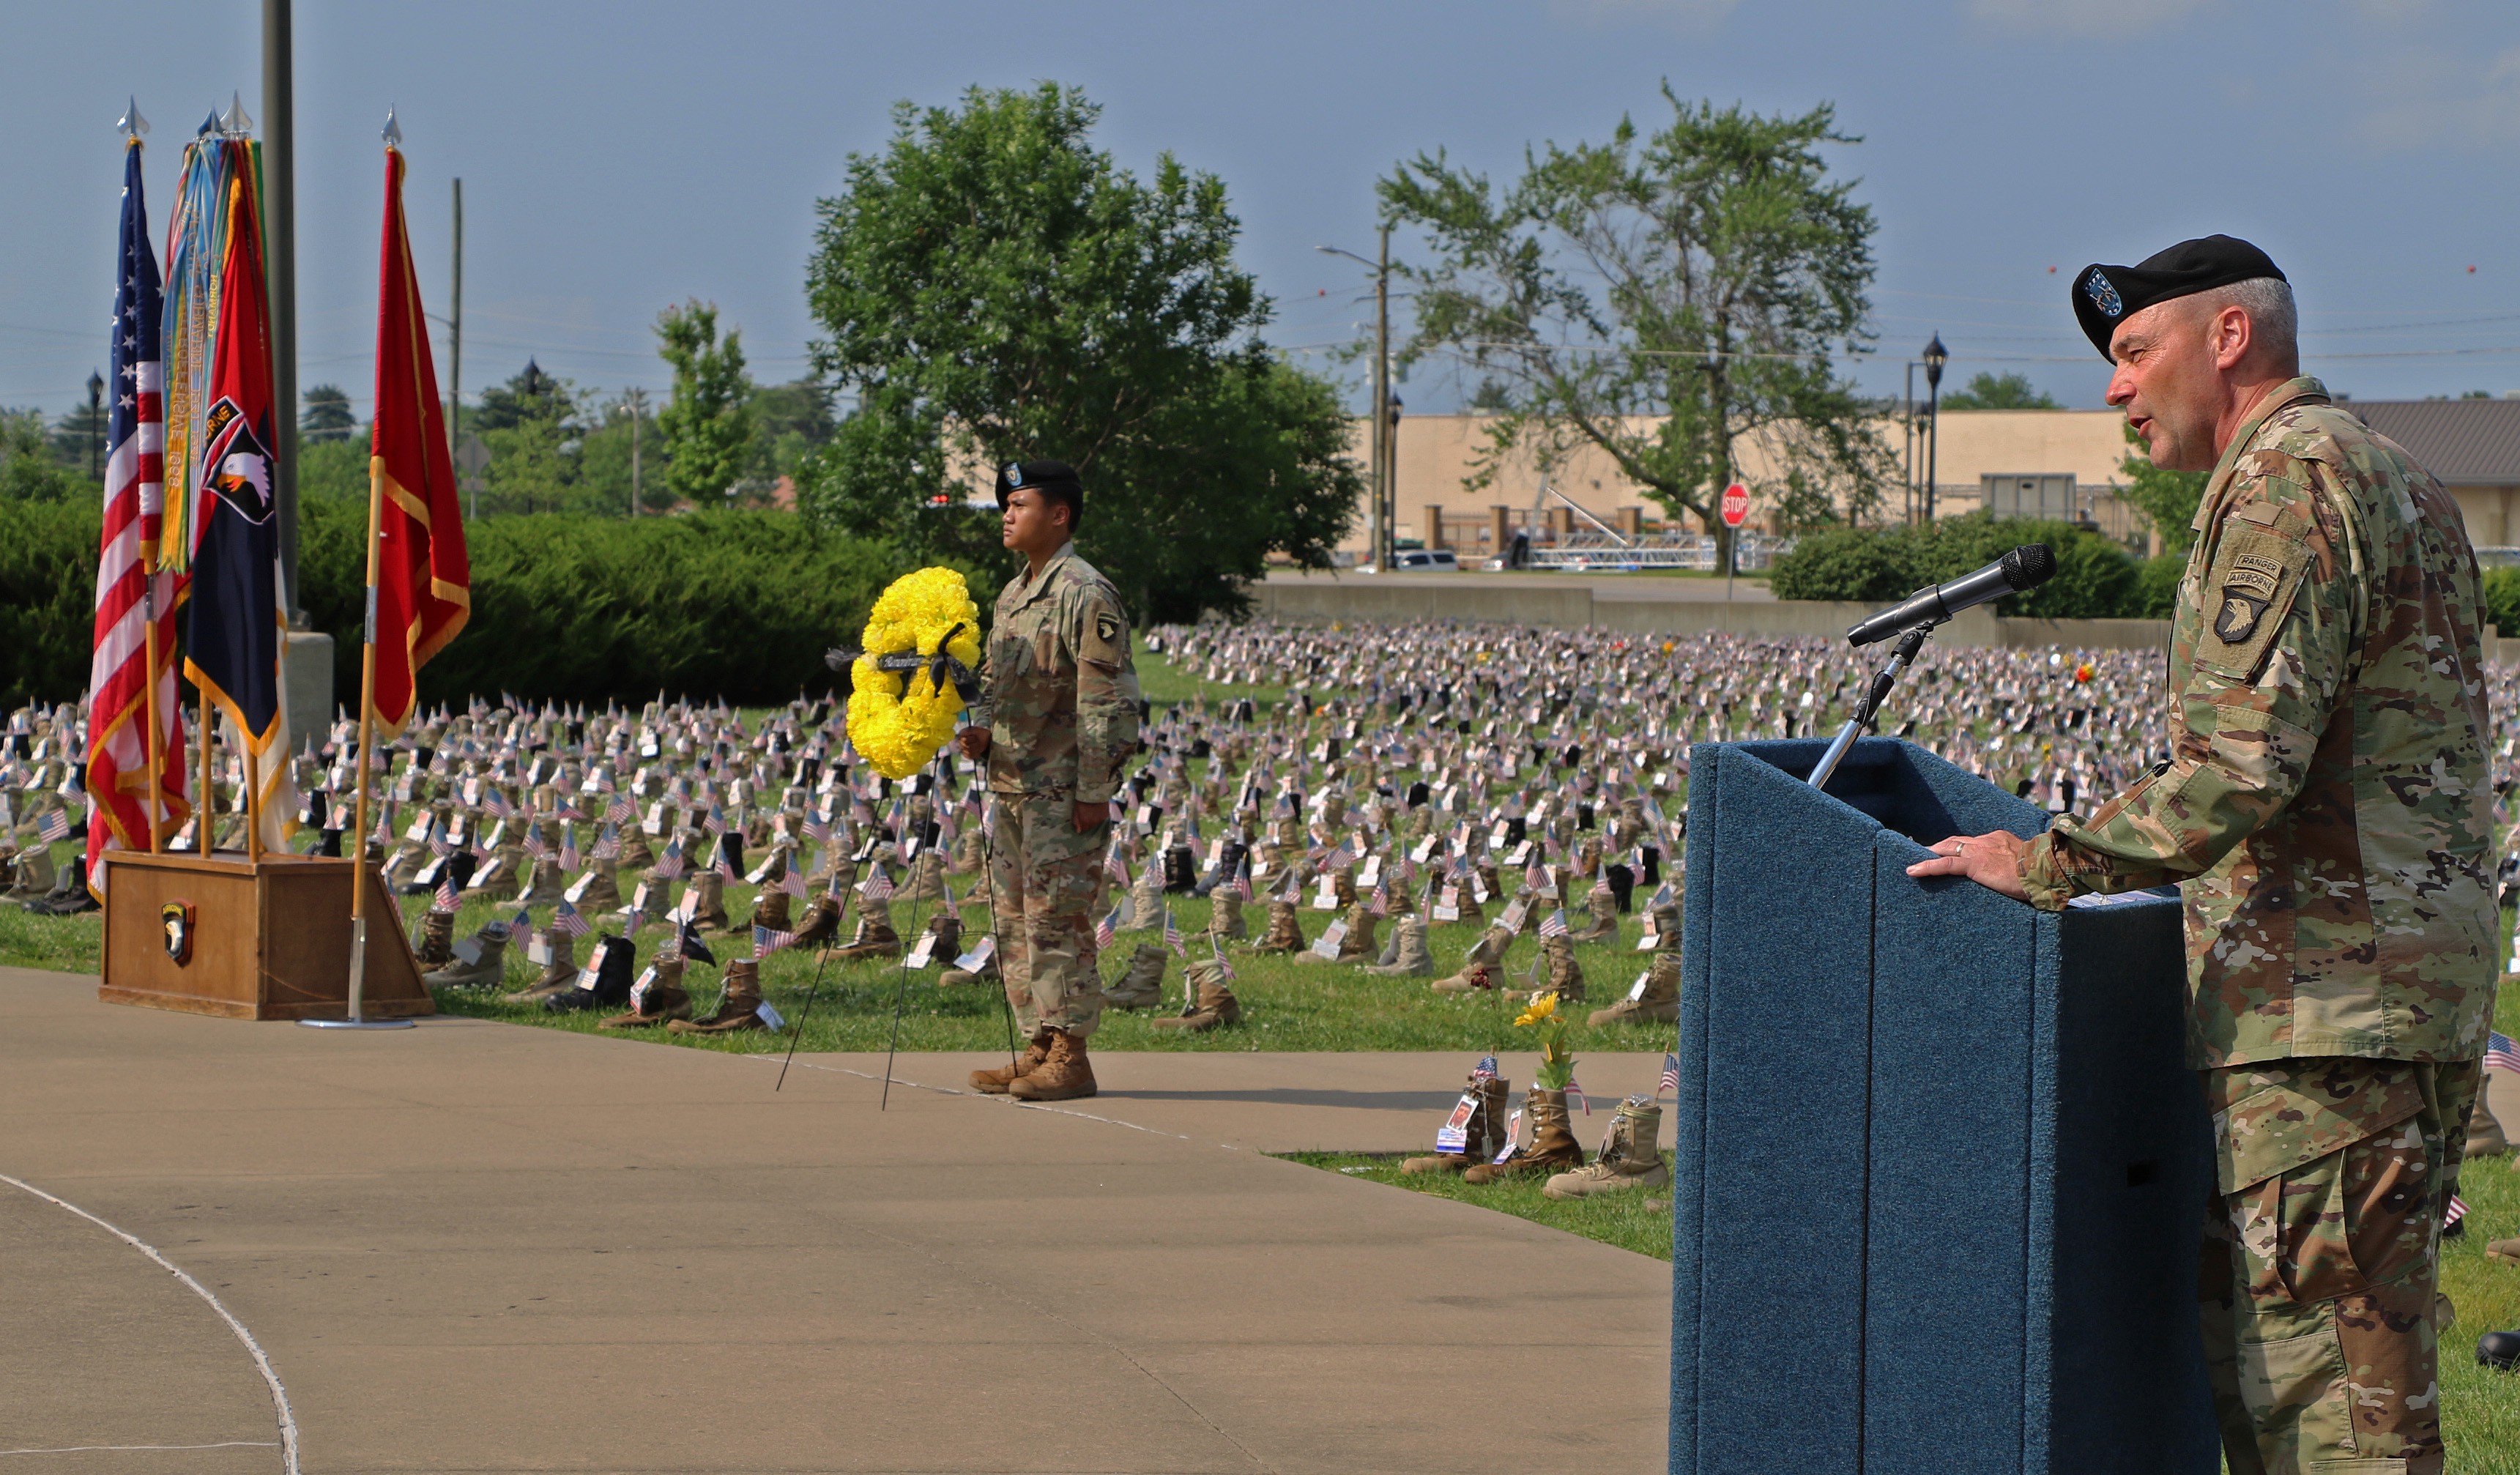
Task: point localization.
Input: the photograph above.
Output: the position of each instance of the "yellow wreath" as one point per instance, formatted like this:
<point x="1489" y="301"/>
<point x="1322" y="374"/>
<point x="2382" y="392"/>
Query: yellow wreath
<point x="899" y="718"/>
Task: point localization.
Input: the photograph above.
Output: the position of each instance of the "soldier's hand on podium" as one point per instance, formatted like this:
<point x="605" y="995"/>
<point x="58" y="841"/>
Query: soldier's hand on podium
<point x="1992" y="860"/>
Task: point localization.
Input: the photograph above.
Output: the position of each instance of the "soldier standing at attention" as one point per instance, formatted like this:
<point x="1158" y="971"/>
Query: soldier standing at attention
<point x="2326" y="807"/>
<point x="1061" y="719"/>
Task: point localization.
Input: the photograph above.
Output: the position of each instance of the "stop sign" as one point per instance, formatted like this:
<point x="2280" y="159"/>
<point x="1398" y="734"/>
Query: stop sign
<point x="1736" y="504"/>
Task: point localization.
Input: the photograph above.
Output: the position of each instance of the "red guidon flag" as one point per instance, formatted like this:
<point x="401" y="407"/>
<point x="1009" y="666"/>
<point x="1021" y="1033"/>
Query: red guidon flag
<point x="424" y="587"/>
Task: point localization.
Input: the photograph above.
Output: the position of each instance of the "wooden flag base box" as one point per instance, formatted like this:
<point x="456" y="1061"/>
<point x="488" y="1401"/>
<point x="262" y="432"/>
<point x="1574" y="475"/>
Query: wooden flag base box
<point x="245" y="939"/>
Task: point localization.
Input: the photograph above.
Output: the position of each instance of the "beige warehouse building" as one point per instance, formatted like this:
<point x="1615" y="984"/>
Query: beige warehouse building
<point x="2052" y="463"/>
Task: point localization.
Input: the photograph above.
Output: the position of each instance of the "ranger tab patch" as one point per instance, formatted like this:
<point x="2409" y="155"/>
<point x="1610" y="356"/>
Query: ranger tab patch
<point x="2249" y="584"/>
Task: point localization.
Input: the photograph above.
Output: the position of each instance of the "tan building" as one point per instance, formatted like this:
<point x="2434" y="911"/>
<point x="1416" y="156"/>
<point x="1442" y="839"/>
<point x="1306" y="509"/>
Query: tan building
<point x="2053" y="463"/>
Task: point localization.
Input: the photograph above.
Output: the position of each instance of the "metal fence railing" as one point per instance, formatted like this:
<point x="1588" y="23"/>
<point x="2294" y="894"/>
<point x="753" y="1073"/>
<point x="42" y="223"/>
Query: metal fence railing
<point x="1688" y="551"/>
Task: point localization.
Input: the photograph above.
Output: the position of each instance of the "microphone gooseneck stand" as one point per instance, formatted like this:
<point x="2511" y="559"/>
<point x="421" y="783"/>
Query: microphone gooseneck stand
<point x="1911" y="641"/>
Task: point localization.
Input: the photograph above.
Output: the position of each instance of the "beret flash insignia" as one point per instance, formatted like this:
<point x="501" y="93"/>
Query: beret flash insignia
<point x="1015" y="468"/>
<point x="2104" y="293"/>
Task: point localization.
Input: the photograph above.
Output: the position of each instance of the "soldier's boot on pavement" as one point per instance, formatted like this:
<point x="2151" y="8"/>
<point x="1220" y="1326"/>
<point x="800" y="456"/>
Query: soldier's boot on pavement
<point x="1553" y="1149"/>
<point x="739" y="1007"/>
<point x="1410" y="957"/>
<point x="661" y="999"/>
<point x="770" y="910"/>
<point x="1063" y="1075"/>
<point x="822" y="921"/>
<point x="1142" y="985"/>
<point x="874" y="935"/>
<point x="596" y="891"/>
<point x="709" y="913"/>
<point x="1475" y="977"/>
<point x="2485" y="1137"/>
<point x="1630" y="1161"/>
<point x="1214" y="1004"/>
<point x="1604" y="926"/>
<point x="1483" y="1136"/>
<point x="1285" y="934"/>
<point x="489" y="964"/>
<point x="995" y="1082"/>
<point x="437" y="940"/>
<point x="1657" y="1003"/>
<point x="1225" y="918"/>
<point x="544" y="886"/>
<point x="557" y="975"/>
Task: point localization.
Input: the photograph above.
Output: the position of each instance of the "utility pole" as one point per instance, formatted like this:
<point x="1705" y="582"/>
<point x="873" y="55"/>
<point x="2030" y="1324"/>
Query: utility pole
<point x="279" y="226"/>
<point x="1936" y="356"/>
<point x="1386" y="504"/>
<point x="638" y="406"/>
<point x="455" y="347"/>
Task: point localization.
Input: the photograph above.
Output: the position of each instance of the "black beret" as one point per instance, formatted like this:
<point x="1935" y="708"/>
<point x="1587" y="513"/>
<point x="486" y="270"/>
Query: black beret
<point x="1056" y="477"/>
<point x="2107" y="296"/>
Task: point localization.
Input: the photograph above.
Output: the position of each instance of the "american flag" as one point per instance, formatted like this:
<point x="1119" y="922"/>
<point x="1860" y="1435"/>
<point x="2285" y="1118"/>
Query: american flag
<point x="1553" y="924"/>
<point x="2500" y="1053"/>
<point x="1577" y="1091"/>
<point x="769" y="940"/>
<point x="1172" y="934"/>
<point x="607" y="845"/>
<point x="1243" y="880"/>
<point x="619" y="809"/>
<point x="56" y="825"/>
<point x="128" y="590"/>
<point x="876" y="887"/>
<point x="566" y="922"/>
<point x="724" y="866"/>
<point x="496" y="801"/>
<point x="1114" y="865"/>
<point x="1485" y="1070"/>
<point x="569" y="858"/>
<point x="445" y="900"/>
<point x="2457" y="1211"/>
<point x="1670" y="1084"/>
<point x="670" y="864"/>
<point x="715" y="823"/>
<point x="791" y="882"/>
<point x="1379" y="902"/>
<point x="535" y="846"/>
<point x="522" y="923"/>
<point x="1107" y="929"/>
<point x="1217" y="950"/>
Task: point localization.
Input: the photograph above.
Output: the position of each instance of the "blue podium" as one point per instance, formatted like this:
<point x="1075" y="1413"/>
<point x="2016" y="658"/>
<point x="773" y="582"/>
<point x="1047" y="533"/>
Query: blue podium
<point x="1941" y="1165"/>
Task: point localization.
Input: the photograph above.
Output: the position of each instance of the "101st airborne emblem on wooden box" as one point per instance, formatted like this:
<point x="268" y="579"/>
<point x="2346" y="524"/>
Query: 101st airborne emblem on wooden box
<point x="175" y="920"/>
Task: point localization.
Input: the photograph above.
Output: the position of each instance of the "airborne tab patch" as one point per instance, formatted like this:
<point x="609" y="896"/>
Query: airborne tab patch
<point x="2255" y="574"/>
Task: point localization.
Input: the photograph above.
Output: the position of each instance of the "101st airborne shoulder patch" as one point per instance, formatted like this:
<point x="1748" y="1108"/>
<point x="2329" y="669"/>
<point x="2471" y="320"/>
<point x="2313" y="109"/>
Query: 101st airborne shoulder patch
<point x="2246" y="595"/>
<point x="1106" y="637"/>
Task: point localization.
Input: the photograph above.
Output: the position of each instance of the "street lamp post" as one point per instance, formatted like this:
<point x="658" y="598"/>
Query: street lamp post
<point x="1390" y="478"/>
<point x="95" y="426"/>
<point x="1379" y="452"/>
<point x="1936" y="356"/>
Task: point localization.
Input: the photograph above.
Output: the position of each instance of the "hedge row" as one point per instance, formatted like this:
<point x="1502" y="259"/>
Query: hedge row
<point x="738" y="604"/>
<point x="2096" y="578"/>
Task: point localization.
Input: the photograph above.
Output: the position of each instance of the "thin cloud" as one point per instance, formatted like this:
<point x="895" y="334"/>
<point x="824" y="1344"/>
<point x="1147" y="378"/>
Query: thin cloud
<point x="2086" y="18"/>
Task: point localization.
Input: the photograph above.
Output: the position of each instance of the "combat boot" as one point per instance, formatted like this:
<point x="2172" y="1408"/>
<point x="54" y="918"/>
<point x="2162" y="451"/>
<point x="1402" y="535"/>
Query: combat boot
<point x="770" y="910"/>
<point x="822" y="921"/>
<point x="710" y="913"/>
<point x="1473" y="978"/>
<point x="1410" y="957"/>
<point x="1213" y="1002"/>
<point x="1480" y="1140"/>
<point x="487" y="965"/>
<point x="1631" y="1160"/>
<point x="874" y="935"/>
<point x="1604" y="926"/>
<point x="995" y="1082"/>
<point x="560" y="973"/>
<point x="596" y="891"/>
<point x="926" y="878"/>
<point x="1657" y="1003"/>
<point x="1563" y="977"/>
<point x="1553" y="1149"/>
<point x="1286" y="934"/>
<point x="635" y="854"/>
<point x="1146" y="897"/>
<point x="739" y="1007"/>
<point x="1666" y="927"/>
<point x="970" y="852"/>
<point x="2485" y="1137"/>
<point x="660" y="998"/>
<point x="35" y="874"/>
<point x="544" y="886"/>
<point x="437" y="940"/>
<point x="947" y="931"/>
<point x="1063" y="1075"/>
<point x="1357" y="946"/>
<point x="1225" y="918"/>
<point x="1142" y="985"/>
<point x="965" y="979"/>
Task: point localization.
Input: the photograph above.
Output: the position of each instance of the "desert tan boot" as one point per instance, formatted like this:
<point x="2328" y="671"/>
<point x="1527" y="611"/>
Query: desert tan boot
<point x="1656" y="1001"/>
<point x="1410" y="957"/>
<point x="1553" y="1149"/>
<point x="1630" y="1161"/>
<point x="2485" y="1137"/>
<point x="1064" y="1075"/>
<point x="1215" y="1003"/>
<point x="995" y="1082"/>
<point x="657" y="999"/>
<point x="1142" y="985"/>
<point x="738" y="1009"/>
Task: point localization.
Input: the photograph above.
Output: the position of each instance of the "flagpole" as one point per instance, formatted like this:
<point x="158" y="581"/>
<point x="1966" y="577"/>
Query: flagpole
<point x="149" y="699"/>
<point x="367" y="738"/>
<point x="253" y="800"/>
<point x="204" y="815"/>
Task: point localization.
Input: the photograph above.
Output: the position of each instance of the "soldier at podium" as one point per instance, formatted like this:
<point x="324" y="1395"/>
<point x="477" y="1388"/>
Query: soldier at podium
<point x="2325" y="810"/>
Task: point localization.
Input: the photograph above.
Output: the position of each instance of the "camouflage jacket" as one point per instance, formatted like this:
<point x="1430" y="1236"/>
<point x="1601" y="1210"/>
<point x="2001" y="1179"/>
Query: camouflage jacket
<point x="2324" y="800"/>
<point x="1062" y="692"/>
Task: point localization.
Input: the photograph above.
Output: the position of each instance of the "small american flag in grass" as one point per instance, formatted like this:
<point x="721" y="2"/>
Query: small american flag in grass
<point x="2499" y="1054"/>
<point x="791" y="882"/>
<point x="1172" y="934"/>
<point x="444" y="901"/>
<point x="769" y="940"/>
<point x="1115" y="867"/>
<point x="1553" y="924"/>
<point x="876" y="887"/>
<point x="55" y="825"/>
<point x="1107" y="929"/>
<point x="1485" y="1070"/>
<point x="670" y="864"/>
<point x="2456" y="1211"/>
<point x="566" y="921"/>
<point x="1669" y="1076"/>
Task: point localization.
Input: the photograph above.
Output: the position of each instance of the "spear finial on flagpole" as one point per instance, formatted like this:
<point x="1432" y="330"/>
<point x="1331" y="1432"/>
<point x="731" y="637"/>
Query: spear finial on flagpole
<point x="393" y="130"/>
<point x="131" y="124"/>
<point x="236" y="124"/>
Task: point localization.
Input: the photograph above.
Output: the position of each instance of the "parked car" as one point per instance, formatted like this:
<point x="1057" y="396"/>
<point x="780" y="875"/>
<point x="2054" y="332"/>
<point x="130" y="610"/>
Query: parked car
<point x="1423" y="559"/>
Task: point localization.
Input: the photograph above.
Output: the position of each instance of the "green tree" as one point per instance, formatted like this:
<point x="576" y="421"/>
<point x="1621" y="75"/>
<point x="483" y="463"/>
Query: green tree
<point x="326" y="415"/>
<point x="29" y="468"/>
<point x="1668" y="299"/>
<point x="335" y="469"/>
<point x="2168" y="500"/>
<point x="533" y="468"/>
<point x="789" y="421"/>
<point x="993" y="288"/>
<point x="530" y="394"/>
<point x="707" y="424"/>
<point x="2000" y="391"/>
<point x="605" y="450"/>
<point x="78" y="439"/>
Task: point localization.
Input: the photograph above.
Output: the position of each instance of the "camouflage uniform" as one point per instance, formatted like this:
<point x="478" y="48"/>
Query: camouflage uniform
<point x="1064" y="718"/>
<point x="2326" y="806"/>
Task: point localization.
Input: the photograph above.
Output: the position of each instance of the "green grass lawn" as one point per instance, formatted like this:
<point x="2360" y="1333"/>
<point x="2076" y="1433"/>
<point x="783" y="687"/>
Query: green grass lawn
<point x="2480" y="1407"/>
<point x="1636" y="1221"/>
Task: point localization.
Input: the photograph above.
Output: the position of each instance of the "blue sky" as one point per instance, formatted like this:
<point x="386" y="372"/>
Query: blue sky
<point x="620" y="157"/>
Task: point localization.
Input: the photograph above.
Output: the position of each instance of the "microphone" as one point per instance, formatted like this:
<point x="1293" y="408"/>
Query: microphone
<point x="2024" y="568"/>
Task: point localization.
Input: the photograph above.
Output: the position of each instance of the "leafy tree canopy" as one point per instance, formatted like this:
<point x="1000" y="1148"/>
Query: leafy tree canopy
<point x="326" y="415"/>
<point x="707" y="424"/>
<point x="2168" y="500"/>
<point x="2000" y="391"/>
<point x="1666" y="297"/>
<point x="993" y="288"/>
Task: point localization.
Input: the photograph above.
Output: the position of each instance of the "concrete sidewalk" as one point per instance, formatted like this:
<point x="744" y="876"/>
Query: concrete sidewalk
<point x="470" y="1246"/>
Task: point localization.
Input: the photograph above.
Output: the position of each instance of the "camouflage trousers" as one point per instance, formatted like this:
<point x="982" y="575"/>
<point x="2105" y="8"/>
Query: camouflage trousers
<point x="1045" y="884"/>
<point x="2320" y="1252"/>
